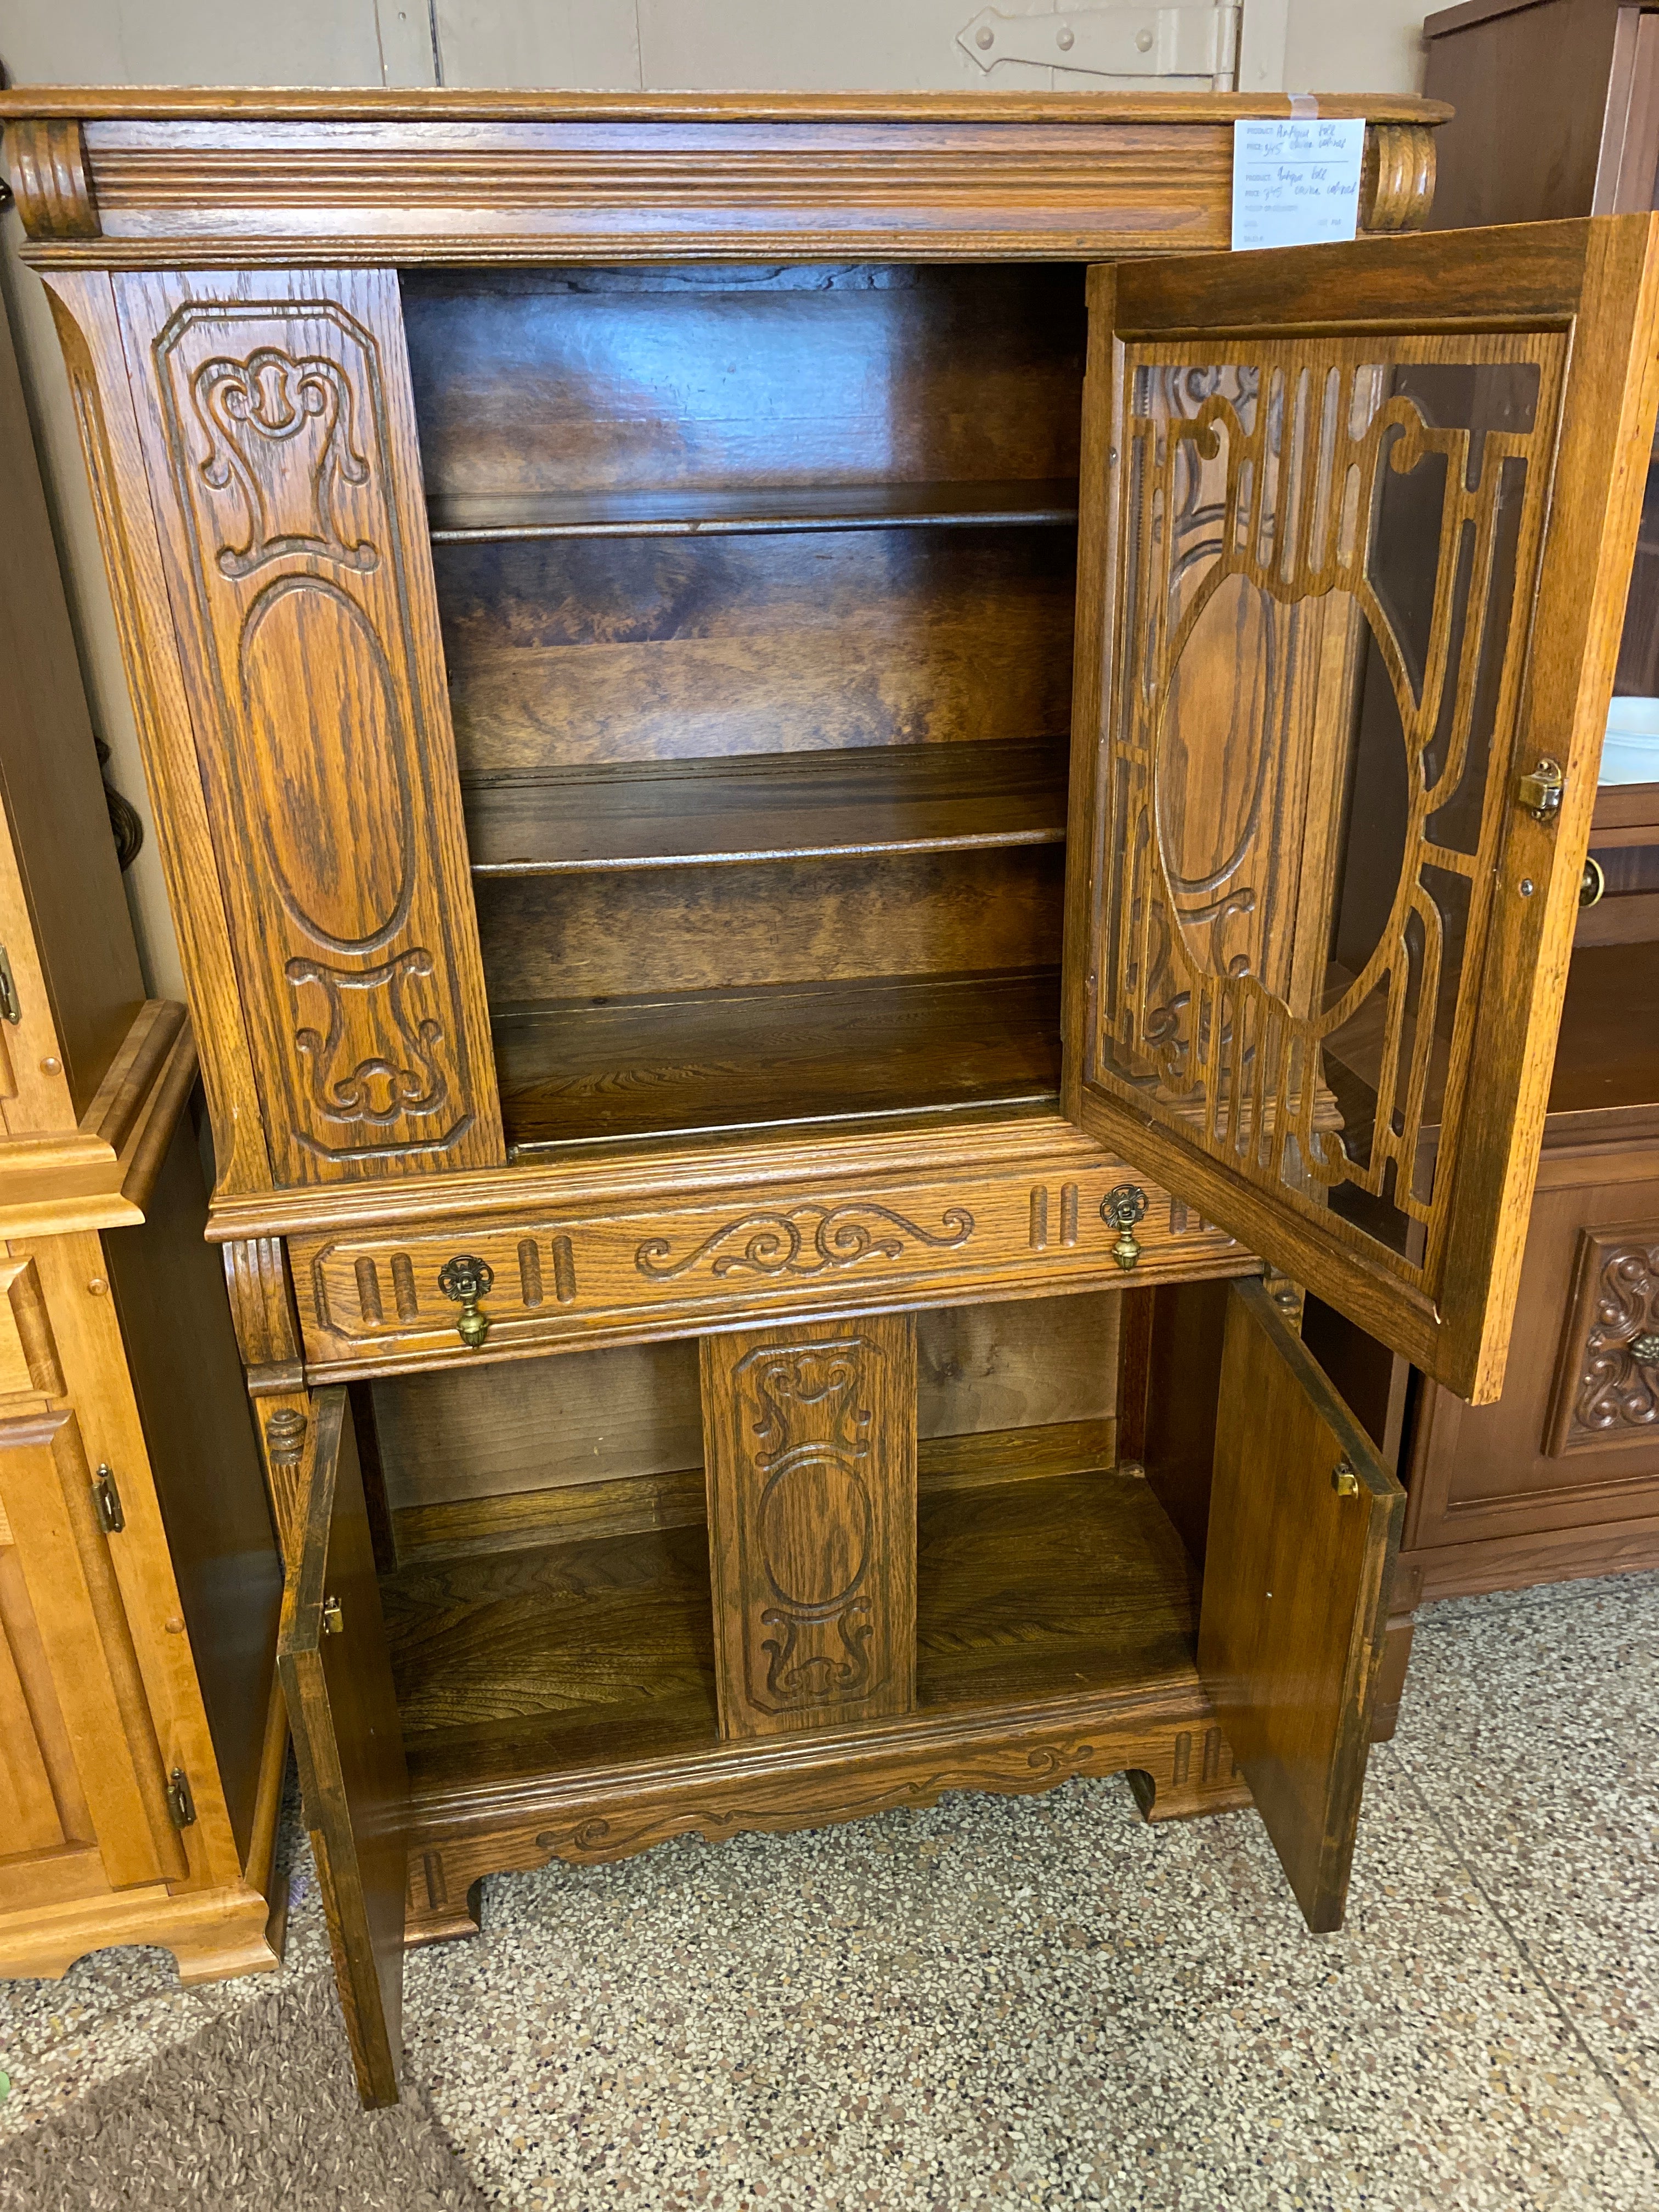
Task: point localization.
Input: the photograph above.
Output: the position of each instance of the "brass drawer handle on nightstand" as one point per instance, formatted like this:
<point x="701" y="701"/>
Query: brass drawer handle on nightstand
<point x="1121" y="1209"/>
<point x="468" y="1279"/>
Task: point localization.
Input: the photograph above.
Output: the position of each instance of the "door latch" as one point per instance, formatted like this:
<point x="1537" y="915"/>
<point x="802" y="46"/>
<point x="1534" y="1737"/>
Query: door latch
<point x="1344" y="1481"/>
<point x="108" y="1500"/>
<point x="181" y="1805"/>
<point x="11" y="1007"/>
<point x="1539" y="794"/>
<point x="333" y="1617"/>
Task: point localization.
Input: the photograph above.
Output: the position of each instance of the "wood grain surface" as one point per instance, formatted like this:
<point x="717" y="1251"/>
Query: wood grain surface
<point x="342" y="1709"/>
<point x="809" y="1447"/>
<point x="1295" y="1596"/>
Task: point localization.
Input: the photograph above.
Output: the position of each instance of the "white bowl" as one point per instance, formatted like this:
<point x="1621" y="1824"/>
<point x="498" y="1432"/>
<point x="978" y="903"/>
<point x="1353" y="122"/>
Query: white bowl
<point x="1631" y="752"/>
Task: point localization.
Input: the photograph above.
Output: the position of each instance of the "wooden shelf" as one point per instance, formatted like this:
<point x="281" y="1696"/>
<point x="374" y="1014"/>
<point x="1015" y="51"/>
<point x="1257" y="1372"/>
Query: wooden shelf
<point x="706" y="1061"/>
<point x="461" y="518"/>
<point x="1607" y="1054"/>
<point x="1625" y="814"/>
<point x="598" y="1654"/>
<point x="879" y="798"/>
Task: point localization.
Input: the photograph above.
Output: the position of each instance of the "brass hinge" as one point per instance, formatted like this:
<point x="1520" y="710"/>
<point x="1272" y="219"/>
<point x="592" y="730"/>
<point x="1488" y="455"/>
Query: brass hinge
<point x="107" y="1499"/>
<point x="333" y="1617"/>
<point x="11" y="1007"/>
<point x="181" y="1805"/>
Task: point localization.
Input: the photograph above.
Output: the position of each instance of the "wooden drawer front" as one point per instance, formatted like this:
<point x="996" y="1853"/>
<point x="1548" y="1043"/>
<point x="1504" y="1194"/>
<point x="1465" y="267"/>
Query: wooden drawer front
<point x="667" y="1269"/>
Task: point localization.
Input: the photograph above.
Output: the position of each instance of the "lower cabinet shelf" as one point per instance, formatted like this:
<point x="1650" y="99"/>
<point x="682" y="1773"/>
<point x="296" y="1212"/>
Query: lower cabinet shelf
<point x="562" y="1700"/>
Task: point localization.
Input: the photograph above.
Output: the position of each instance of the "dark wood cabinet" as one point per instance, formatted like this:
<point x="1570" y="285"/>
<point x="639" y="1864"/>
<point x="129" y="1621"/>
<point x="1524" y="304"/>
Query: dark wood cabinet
<point x="825" y="783"/>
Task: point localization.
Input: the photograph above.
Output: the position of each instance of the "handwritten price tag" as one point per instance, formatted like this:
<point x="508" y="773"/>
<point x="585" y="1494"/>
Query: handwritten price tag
<point x="1296" y="182"/>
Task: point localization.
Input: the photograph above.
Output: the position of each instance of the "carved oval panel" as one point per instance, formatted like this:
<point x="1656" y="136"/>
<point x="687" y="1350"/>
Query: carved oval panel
<point x="323" y="763"/>
<point x="1215" y="739"/>
<point x="815" y="1525"/>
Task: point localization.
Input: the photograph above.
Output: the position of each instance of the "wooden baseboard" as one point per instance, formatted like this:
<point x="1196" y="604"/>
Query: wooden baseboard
<point x="1522" y="1562"/>
<point x="1165" y="1734"/>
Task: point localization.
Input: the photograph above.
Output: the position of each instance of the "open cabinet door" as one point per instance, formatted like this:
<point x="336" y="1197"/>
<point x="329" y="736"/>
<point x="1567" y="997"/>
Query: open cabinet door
<point x="1304" y="1525"/>
<point x="1357" y="525"/>
<point x="342" y="1709"/>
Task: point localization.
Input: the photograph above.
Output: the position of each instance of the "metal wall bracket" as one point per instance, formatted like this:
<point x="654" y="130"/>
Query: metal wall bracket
<point x="1199" y="39"/>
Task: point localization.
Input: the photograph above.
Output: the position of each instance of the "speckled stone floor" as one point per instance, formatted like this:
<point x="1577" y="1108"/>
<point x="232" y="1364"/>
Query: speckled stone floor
<point x="1044" y="2001"/>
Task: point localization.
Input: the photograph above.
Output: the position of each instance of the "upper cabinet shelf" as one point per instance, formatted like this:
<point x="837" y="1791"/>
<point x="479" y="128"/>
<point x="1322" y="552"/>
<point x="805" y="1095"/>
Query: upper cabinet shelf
<point x="877" y="798"/>
<point x="461" y="518"/>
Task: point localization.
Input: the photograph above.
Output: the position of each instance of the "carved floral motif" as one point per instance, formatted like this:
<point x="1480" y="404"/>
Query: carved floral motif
<point x="804" y="1241"/>
<point x="280" y="432"/>
<point x="1618" y="1387"/>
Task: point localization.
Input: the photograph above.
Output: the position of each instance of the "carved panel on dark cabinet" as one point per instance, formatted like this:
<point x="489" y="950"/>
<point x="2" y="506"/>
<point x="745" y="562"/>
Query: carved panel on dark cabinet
<point x="810" y="1434"/>
<point x="279" y="439"/>
<point x="1606" y="1378"/>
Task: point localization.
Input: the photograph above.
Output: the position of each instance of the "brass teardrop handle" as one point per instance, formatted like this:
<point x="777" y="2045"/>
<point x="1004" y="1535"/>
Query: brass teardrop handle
<point x="1121" y="1209"/>
<point x="468" y="1278"/>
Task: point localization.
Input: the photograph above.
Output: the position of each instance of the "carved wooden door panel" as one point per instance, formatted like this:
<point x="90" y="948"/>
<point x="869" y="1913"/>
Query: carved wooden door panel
<point x="1305" y="1526"/>
<point x="1358" y="523"/>
<point x="342" y="1709"/>
<point x="279" y="446"/>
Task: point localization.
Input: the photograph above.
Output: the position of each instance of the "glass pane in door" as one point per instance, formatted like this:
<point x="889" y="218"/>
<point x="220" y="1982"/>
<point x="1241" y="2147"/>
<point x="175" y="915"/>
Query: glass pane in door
<point x="1326" y="545"/>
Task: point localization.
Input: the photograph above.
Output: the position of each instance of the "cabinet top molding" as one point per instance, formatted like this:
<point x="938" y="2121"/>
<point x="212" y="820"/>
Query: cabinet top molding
<point x="124" y="177"/>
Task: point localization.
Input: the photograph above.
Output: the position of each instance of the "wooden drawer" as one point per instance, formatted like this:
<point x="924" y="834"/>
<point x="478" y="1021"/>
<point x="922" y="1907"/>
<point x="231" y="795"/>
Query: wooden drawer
<point x="670" y="1268"/>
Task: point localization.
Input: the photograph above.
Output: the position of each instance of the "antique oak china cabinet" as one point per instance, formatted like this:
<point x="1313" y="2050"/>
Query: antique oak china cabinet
<point x="825" y="780"/>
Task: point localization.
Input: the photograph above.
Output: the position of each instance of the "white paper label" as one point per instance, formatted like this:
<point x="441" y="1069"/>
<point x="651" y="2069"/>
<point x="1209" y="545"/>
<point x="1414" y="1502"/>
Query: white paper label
<point x="1296" y="182"/>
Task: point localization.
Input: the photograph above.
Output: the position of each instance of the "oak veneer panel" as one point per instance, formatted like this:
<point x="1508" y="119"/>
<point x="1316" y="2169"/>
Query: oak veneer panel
<point x="590" y="1631"/>
<point x="1032" y="1588"/>
<point x="1296" y="1587"/>
<point x="275" y="418"/>
<point x="584" y="1417"/>
<point x="332" y="1655"/>
<point x="889" y="797"/>
<point x="577" y="380"/>
<point x="562" y="652"/>
<point x="642" y="934"/>
<point x="1023" y="1364"/>
<point x="1607" y="1053"/>
<point x="810" y="1448"/>
<point x="725" y="1061"/>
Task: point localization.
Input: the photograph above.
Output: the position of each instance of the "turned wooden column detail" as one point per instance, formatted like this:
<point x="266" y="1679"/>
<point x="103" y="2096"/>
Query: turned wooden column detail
<point x="810" y="1437"/>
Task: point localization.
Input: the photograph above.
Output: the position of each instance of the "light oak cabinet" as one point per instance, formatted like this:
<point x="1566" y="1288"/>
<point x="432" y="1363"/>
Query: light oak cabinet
<point x="840" y="805"/>
<point x="141" y="1746"/>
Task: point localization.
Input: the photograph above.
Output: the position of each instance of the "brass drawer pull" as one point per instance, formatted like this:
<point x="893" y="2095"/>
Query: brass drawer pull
<point x="1121" y="1209"/>
<point x="1644" y="1349"/>
<point x="468" y="1278"/>
<point x="1593" y="883"/>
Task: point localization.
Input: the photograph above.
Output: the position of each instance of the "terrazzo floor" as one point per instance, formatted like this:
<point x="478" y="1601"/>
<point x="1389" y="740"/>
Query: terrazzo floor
<point x="1018" y="2001"/>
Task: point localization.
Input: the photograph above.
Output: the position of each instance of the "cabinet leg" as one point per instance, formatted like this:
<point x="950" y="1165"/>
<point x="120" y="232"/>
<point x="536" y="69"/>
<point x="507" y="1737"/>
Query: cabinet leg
<point x="1391" y="1676"/>
<point x="1197" y="1775"/>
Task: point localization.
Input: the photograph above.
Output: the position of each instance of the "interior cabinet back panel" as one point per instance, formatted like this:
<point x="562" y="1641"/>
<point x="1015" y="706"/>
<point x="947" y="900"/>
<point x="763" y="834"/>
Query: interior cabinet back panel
<point x="593" y="379"/>
<point x="585" y="650"/>
<point x="592" y="937"/>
